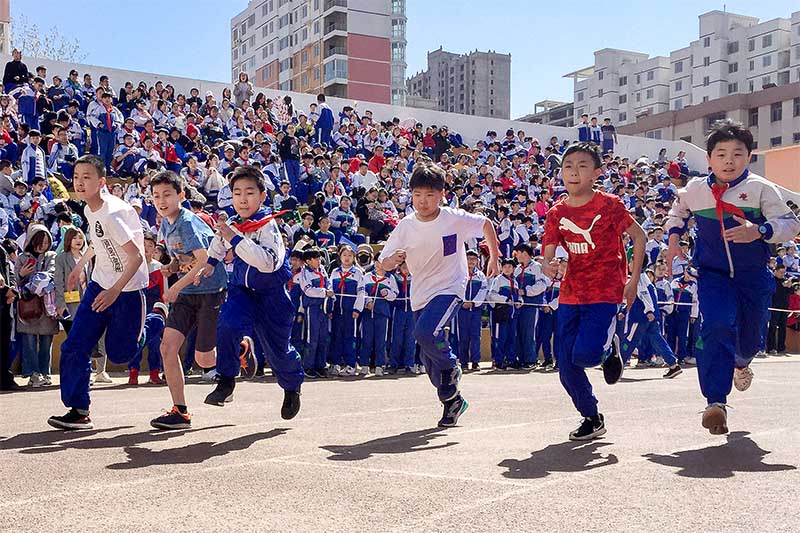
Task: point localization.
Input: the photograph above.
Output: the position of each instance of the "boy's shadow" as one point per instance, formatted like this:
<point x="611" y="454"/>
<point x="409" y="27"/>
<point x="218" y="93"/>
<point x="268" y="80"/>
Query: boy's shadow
<point x="739" y="454"/>
<point x="570" y="456"/>
<point x="50" y="438"/>
<point x="139" y="457"/>
<point x="412" y="441"/>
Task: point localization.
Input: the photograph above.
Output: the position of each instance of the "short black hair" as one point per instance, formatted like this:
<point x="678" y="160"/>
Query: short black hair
<point x="94" y="161"/>
<point x="311" y="253"/>
<point x="167" y="177"/>
<point x="246" y="172"/>
<point x="585" y="148"/>
<point x="64" y="217"/>
<point x="524" y="247"/>
<point x="426" y="175"/>
<point x="729" y="130"/>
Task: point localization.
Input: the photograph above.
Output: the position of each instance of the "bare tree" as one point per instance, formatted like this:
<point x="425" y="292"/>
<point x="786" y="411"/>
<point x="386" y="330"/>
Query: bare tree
<point x="50" y="44"/>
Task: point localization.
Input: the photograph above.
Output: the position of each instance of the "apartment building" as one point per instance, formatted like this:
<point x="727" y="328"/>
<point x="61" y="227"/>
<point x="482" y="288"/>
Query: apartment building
<point x="552" y="113"/>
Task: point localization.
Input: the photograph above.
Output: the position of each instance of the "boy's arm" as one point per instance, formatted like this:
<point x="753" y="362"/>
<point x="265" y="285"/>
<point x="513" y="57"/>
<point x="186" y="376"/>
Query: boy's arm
<point x="480" y="296"/>
<point x="490" y="237"/>
<point x="393" y="254"/>
<point x="644" y="296"/>
<point x="391" y="286"/>
<point x="639" y="238"/>
<point x="676" y="224"/>
<point x="133" y="261"/>
<point x="266" y="258"/>
<point x="309" y="287"/>
<point x="781" y="225"/>
<point x="201" y="260"/>
<point x="538" y="287"/>
<point x="358" y="306"/>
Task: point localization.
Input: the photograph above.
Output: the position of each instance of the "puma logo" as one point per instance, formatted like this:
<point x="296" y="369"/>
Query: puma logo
<point x="568" y="225"/>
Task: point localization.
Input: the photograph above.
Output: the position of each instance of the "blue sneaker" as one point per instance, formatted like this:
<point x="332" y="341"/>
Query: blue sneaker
<point x="453" y="409"/>
<point x="448" y="389"/>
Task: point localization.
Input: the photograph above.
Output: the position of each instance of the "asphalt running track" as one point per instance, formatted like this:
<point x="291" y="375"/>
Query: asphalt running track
<point x="366" y="456"/>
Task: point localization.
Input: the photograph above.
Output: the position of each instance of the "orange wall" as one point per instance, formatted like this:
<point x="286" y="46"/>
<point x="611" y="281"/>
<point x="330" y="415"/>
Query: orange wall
<point x="782" y="166"/>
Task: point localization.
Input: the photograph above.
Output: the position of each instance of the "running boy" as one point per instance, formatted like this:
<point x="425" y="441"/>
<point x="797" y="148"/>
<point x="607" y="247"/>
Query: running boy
<point x="589" y="224"/>
<point x="113" y="302"/>
<point x="738" y="213"/>
<point x="431" y="242"/>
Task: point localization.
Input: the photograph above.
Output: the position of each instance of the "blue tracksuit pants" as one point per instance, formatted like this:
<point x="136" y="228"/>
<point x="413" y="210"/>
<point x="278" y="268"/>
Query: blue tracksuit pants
<point x="733" y="310"/>
<point x="647" y="337"/>
<point x="469" y="326"/>
<point x="268" y="315"/>
<point x="544" y="334"/>
<point x="585" y="332"/>
<point x="123" y="322"/>
<point x="402" y="348"/>
<point x="678" y="330"/>
<point x="526" y="334"/>
<point x="435" y="352"/>
<point x="105" y="142"/>
<point x="343" y="339"/>
<point x="374" y="330"/>
<point x="155" y="330"/>
<point x="504" y="342"/>
<point x="317" y="337"/>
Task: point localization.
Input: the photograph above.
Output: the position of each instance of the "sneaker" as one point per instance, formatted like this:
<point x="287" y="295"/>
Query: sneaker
<point x="773" y="352"/>
<point x="715" y="419"/>
<point x="102" y="377"/>
<point x="378" y="371"/>
<point x="210" y="377"/>
<point x="549" y="367"/>
<point x="173" y="419"/>
<point x="528" y="366"/>
<point x="613" y="365"/>
<point x="659" y="361"/>
<point x="36" y="381"/>
<point x="72" y="420"/>
<point x="133" y="376"/>
<point x="47" y="380"/>
<point x="465" y="368"/>
<point x="363" y="370"/>
<point x="453" y="409"/>
<point x="673" y="371"/>
<point x="155" y="378"/>
<point x="742" y="378"/>
<point x="417" y="369"/>
<point x="322" y="372"/>
<point x="247" y="358"/>
<point x="642" y="363"/>
<point x="761" y="354"/>
<point x="291" y="404"/>
<point x="690" y="360"/>
<point x="591" y="428"/>
<point x="335" y="370"/>
<point x="422" y="369"/>
<point x="222" y="393"/>
<point x="401" y="371"/>
<point x="260" y="370"/>
<point x="348" y="371"/>
<point x="476" y="367"/>
<point x="448" y="387"/>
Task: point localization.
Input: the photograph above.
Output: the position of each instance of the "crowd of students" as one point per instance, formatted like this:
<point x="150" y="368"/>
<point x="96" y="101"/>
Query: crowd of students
<point x="337" y="184"/>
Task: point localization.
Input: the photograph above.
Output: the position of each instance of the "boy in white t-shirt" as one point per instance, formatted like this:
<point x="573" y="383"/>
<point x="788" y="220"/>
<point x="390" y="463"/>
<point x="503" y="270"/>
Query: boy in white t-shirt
<point x="113" y="302"/>
<point x="431" y="242"/>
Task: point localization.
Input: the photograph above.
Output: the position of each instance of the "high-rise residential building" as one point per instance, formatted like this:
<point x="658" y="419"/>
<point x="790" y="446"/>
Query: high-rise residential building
<point x="477" y="83"/>
<point x="733" y="54"/>
<point x="552" y="113"/>
<point x="347" y="48"/>
<point x="5" y="26"/>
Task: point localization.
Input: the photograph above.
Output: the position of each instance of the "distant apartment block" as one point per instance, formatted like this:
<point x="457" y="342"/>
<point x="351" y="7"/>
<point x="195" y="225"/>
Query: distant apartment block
<point x="551" y="113"/>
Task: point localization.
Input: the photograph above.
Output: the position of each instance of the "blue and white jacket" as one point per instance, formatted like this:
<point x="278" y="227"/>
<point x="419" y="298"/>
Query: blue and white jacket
<point x="373" y="285"/>
<point x="403" y="300"/>
<point x="477" y="289"/>
<point x="685" y="292"/>
<point x="348" y="286"/>
<point x="315" y="284"/>
<point x="761" y="203"/>
<point x="531" y="280"/>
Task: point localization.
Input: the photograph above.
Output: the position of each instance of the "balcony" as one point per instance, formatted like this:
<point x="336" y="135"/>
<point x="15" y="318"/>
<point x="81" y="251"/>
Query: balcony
<point x="330" y="4"/>
<point x="335" y="50"/>
<point x="336" y="26"/>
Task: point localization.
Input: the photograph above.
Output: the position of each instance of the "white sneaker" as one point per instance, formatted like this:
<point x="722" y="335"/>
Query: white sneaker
<point x="349" y="371"/>
<point x="742" y="378"/>
<point x="363" y="370"/>
<point x="335" y="370"/>
<point x="690" y="360"/>
<point x="415" y="369"/>
<point x="422" y="369"/>
<point x="102" y="377"/>
<point x="210" y="376"/>
<point x="47" y="380"/>
<point x="378" y="371"/>
<point x="36" y="381"/>
<point x="659" y="361"/>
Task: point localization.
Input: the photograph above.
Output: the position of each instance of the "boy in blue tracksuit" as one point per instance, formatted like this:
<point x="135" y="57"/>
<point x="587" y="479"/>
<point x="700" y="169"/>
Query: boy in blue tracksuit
<point x="684" y="313"/>
<point x="324" y="124"/>
<point x="737" y="213"/>
<point x="33" y="160"/>
<point x="505" y="232"/>
<point x="505" y="301"/>
<point x="296" y="264"/>
<point x="401" y="353"/>
<point x="469" y="316"/>
<point x="531" y="284"/>
<point x="317" y="296"/>
<point x="642" y="327"/>
<point x="347" y="282"/>
<point x="547" y="322"/>
<point x="26" y="96"/>
<point x="258" y="302"/>
<point x="380" y="290"/>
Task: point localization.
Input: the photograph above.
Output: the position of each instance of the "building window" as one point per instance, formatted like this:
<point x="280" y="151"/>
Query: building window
<point x="599" y="109"/>
<point x="304" y="79"/>
<point x="751" y="85"/>
<point x="398" y="52"/>
<point x="705" y="81"/>
<point x="398" y="28"/>
<point x="775" y="141"/>
<point x="766" y="61"/>
<point x="751" y="45"/>
<point x="639" y="97"/>
<point x="678" y="104"/>
<point x="776" y="112"/>
<point x="766" y="41"/>
<point x="580" y="97"/>
<point x="733" y="47"/>
<point x="600" y="75"/>
<point x="705" y="99"/>
<point x="752" y="65"/>
<point x="796" y="137"/>
<point x="398" y="6"/>
<point x="316" y="50"/>
<point x="251" y="20"/>
<point x="599" y="93"/>
<point x="623" y="117"/>
<point x="766" y="80"/>
<point x="623" y="81"/>
<point x="706" y="61"/>
<point x="304" y="58"/>
<point x="706" y="42"/>
<point x="649" y="94"/>
<point x="623" y="98"/>
<point x="753" y="117"/>
<point x="316" y="73"/>
<point x="796" y="105"/>
<point x="654" y="134"/>
<point x="733" y="88"/>
<point x="733" y="67"/>
<point x="783" y="78"/>
<point x="650" y="75"/>
<point x="679" y="85"/>
<point x="678" y="67"/>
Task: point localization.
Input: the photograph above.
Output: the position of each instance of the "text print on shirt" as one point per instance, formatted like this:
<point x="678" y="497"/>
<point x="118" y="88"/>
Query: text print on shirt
<point x="566" y="224"/>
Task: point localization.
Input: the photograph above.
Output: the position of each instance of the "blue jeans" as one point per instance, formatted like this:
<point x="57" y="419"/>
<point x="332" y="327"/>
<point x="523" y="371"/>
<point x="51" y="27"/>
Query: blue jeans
<point x="36" y="353"/>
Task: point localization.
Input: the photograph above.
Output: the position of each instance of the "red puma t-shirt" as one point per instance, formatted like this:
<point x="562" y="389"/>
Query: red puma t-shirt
<point x="592" y="235"/>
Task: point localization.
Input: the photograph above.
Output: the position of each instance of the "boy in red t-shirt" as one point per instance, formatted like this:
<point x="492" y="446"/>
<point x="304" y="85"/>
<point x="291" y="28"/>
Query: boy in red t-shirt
<point x="590" y="224"/>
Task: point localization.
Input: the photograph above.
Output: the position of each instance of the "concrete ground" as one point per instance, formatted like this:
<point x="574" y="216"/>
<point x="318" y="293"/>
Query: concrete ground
<point x="365" y="455"/>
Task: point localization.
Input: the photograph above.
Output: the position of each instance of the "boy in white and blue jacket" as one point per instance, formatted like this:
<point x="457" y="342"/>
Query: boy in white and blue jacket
<point x="684" y="313"/>
<point x="547" y="322"/>
<point x="469" y="316"/>
<point x="317" y="296"/>
<point x="33" y="160"/>
<point x="531" y="283"/>
<point x="738" y="214"/>
<point x="401" y="352"/>
<point x="347" y="282"/>
<point x="380" y="290"/>
<point x="505" y="302"/>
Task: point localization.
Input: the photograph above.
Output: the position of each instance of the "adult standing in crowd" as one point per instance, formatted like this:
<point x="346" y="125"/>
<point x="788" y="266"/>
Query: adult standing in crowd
<point x="16" y="72"/>
<point x="243" y="90"/>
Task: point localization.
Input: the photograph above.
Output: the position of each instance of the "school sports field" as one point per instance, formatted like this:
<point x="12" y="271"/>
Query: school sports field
<point x="365" y="456"/>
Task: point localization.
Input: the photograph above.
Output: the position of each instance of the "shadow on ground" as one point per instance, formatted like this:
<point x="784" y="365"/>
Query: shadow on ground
<point x="139" y="457"/>
<point x="411" y="441"/>
<point x="570" y="456"/>
<point x="739" y="454"/>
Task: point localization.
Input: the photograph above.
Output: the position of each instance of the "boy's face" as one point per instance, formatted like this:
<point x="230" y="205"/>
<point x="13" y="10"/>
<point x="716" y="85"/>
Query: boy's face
<point x="523" y="257"/>
<point x="20" y="190"/>
<point x="38" y="187"/>
<point x="313" y="262"/>
<point x="307" y="221"/>
<point x="324" y="224"/>
<point x="285" y="189"/>
<point x="579" y="173"/>
<point x="344" y="204"/>
<point x="247" y="199"/>
<point x="295" y="262"/>
<point x="472" y="262"/>
<point x="167" y="200"/>
<point x="35" y="139"/>
<point x="149" y="250"/>
<point x="426" y="200"/>
<point x="508" y="269"/>
<point x="728" y="160"/>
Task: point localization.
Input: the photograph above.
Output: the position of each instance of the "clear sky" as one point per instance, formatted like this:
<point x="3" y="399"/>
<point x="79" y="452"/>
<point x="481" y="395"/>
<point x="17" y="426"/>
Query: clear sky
<point x="546" y="39"/>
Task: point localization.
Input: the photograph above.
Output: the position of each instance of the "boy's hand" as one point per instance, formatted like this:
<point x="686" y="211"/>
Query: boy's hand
<point x="550" y="269"/>
<point x="225" y="231"/>
<point x="355" y="315"/>
<point x="467" y="305"/>
<point x="671" y="254"/>
<point x="105" y="300"/>
<point x="745" y="232"/>
<point x="171" y="295"/>
<point x="399" y="256"/>
<point x="629" y="293"/>
<point x="384" y="292"/>
<point x="493" y="266"/>
<point x="650" y="317"/>
<point x="329" y="294"/>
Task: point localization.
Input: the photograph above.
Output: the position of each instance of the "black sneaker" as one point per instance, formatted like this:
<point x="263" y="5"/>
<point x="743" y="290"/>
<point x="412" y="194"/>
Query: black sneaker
<point x="453" y="409"/>
<point x="465" y="367"/>
<point x="222" y="393"/>
<point x="311" y="373"/>
<point x="673" y="371"/>
<point x="613" y="364"/>
<point x="291" y="404"/>
<point x="247" y="358"/>
<point x="260" y="370"/>
<point x="528" y="366"/>
<point x="591" y="427"/>
<point x="72" y="420"/>
<point x="476" y="367"/>
<point x="321" y="372"/>
<point x="173" y="419"/>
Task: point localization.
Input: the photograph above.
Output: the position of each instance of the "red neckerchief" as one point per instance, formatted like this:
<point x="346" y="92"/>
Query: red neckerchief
<point x="343" y="276"/>
<point x="681" y="287"/>
<point x="723" y="207"/>
<point x="405" y="285"/>
<point x="522" y="275"/>
<point x="321" y="278"/>
<point x="511" y="284"/>
<point x="377" y="282"/>
<point x="249" y="226"/>
<point x="108" y="117"/>
<point x="290" y="283"/>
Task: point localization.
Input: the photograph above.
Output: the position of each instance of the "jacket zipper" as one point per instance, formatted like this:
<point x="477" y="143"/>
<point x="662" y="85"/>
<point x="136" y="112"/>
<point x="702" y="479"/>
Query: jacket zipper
<point x="246" y="275"/>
